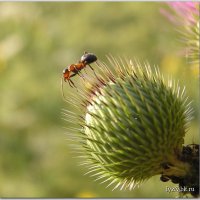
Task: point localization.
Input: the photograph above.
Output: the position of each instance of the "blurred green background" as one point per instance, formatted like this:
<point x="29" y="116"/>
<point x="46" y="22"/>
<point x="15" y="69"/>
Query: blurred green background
<point x="39" y="39"/>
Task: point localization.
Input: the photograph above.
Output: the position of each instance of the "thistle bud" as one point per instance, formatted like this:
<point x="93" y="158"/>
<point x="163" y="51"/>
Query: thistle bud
<point x="133" y="124"/>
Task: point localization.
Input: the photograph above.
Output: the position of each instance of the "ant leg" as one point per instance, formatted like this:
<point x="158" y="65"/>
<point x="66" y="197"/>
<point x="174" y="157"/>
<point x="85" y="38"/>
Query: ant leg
<point x="77" y="72"/>
<point x="62" y="90"/>
<point x="92" y="70"/>
<point x="80" y="74"/>
<point x="72" y="75"/>
<point x="91" y="67"/>
<point x="71" y="83"/>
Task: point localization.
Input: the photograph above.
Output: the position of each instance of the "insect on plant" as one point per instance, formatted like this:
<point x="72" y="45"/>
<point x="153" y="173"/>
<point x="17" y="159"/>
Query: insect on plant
<point x="75" y="69"/>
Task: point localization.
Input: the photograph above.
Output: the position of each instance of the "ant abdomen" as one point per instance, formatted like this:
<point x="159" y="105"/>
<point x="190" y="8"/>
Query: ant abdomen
<point x="88" y="58"/>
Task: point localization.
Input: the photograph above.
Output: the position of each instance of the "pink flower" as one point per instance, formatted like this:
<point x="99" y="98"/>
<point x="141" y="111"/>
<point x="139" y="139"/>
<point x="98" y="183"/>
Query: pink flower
<point x="183" y="13"/>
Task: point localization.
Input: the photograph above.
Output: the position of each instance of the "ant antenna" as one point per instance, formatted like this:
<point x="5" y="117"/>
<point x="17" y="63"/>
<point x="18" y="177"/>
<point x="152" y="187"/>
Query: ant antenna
<point x="62" y="91"/>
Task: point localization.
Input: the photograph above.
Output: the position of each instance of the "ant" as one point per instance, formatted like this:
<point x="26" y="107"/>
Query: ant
<point x="86" y="59"/>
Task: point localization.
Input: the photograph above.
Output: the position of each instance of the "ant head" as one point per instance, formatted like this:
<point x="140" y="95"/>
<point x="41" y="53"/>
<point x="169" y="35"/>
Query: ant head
<point x="65" y="70"/>
<point x="66" y="73"/>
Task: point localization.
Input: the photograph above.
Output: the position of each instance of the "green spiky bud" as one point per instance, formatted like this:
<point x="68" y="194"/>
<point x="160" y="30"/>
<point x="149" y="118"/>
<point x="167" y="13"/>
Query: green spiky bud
<point x="134" y="124"/>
